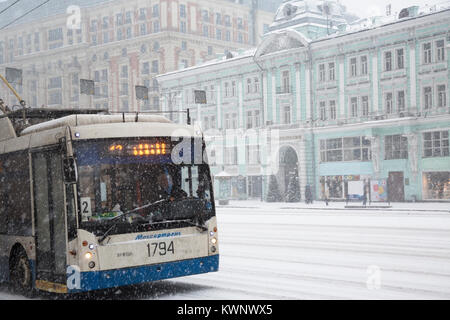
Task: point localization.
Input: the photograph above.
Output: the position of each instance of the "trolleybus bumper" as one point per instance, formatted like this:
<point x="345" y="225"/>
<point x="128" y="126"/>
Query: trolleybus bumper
<point x="96" y="280"/>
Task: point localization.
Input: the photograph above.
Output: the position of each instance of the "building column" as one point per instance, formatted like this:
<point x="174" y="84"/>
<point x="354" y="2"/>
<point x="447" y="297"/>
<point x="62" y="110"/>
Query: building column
<point x="240" y="92"/>
<point x="265" y="97"/>
<point x="219" y="104"/>
<point x="308" y="93"/>
<point x="302" y="170"/>
<point x="412" y="76"/>
<point x="274" y="95"/>
<point x="342" y="104"/>
<point x="375" y="82"/>
<point x="298" y="92"/>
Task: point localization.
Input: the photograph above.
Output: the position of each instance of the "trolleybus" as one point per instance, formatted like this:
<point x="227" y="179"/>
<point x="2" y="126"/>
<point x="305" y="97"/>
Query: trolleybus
<point x="96" y="201"/>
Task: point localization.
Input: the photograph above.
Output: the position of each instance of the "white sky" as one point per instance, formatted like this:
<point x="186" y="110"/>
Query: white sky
<point x="364" y="8"/>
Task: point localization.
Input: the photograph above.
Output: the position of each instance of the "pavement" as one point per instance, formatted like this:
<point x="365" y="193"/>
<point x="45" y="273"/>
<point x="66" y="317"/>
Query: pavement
<point x="443" y="207"/>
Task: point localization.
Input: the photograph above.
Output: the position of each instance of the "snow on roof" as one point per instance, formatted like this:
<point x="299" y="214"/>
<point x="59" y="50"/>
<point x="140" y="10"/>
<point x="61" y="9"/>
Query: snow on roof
<point x="231" y="56"/>
<point x="83" y="120"/>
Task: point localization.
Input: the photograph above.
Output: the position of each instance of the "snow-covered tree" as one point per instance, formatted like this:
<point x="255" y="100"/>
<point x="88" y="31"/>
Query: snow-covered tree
<point x="293" y="191"/>
<point x="274" y="195"/>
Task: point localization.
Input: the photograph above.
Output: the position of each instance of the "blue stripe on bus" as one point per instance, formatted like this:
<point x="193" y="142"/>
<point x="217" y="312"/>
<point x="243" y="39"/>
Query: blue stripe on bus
<point x="122" y="277"/>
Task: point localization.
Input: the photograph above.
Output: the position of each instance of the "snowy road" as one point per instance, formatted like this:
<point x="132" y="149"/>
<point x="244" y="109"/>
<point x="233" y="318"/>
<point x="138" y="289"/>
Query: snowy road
<point x="291" y="252"/>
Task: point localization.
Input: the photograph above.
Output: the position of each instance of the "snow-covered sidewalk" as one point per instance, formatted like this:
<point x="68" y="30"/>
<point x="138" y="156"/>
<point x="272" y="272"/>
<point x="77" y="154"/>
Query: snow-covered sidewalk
<point x="435" y="207"/>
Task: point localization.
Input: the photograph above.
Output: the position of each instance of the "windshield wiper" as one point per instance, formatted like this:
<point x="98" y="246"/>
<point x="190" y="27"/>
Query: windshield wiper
<point x="190" y="222"/>
<point x="126" y="214"/>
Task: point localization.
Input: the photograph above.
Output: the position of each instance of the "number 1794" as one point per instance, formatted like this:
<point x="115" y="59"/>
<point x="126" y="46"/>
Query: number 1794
<point x="160" y="248"/>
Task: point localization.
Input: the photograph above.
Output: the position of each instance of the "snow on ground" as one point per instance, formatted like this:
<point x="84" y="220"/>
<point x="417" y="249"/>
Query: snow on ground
<point x="294" y="251"/>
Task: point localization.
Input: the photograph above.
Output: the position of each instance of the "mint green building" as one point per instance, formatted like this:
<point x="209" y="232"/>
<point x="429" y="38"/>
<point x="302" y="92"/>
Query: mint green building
<point x="347" y="106"/>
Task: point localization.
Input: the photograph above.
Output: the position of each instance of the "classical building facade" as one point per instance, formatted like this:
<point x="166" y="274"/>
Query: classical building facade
<point x="350" y="105"/>
<point x="119" y="44"/>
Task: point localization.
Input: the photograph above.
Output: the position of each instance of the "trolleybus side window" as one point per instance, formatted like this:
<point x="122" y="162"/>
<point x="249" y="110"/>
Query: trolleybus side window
<point x="15" y="206"/>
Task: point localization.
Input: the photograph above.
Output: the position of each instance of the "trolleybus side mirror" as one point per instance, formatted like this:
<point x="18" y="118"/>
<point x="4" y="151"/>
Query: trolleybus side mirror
<point x="70" y="171"/>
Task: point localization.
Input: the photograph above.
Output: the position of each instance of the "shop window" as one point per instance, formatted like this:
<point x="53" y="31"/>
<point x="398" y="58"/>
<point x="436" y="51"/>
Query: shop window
<point x="436" y="185"/>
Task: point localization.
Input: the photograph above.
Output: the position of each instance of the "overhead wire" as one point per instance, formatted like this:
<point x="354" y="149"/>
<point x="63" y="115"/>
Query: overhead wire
<point x="11" y="5"/>
<point x="25" y="14"/>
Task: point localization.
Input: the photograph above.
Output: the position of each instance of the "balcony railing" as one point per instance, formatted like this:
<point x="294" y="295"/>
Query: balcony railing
<point x="284" y="90"/>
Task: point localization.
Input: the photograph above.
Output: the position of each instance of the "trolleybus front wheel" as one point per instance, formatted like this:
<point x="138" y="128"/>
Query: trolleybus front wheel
<point x="20" y="279"/>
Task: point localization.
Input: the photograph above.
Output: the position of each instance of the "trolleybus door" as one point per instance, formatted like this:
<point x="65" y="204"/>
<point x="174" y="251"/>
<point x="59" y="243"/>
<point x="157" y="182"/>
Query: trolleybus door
<point x="50" y="225"/>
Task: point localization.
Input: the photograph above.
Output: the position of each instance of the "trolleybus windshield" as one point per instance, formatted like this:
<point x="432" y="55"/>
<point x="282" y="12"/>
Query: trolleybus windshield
<point x="117" y="177"/>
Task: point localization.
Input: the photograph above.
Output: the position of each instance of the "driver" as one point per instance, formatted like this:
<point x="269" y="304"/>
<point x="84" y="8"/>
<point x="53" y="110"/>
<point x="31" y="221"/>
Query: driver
<point x="167" y="189"/>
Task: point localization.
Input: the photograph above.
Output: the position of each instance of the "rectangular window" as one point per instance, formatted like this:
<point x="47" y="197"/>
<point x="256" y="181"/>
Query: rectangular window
<point x="331" y="71"/>
<point x="426" y="52"/>
<point x="156" y="28"/>
<point x="364" y="65"/>
<point x="124" y="72"/>
<point x="286" y="82"/>
<point x="427" y="98"/>
<point x="400" y="59"/>
<point x="235" y="121"/>
<point x="435" y="144"/>
<point x="256" y="83"/>
<point x="400" y="101"/>
<point x="442" y="95"/>
<point x="55" y="34"/>
<point x="55" y="83"/>
<point x="183" y="27"/>
<point x="388" y="61"/>
<point x="249" y="85"/>
<point x="205" y="15"/>
<point x="119" y="19"/>
<point x="227" y="21"/>
<point x="395" y="147"/>
<point x="55" y="97"/>
<point x="227" y="89"/>
<point x="155" y="11"/>
<point x="333" y="112"/>
<point x="105" y="22"/>
<point x="436" y="185"/>
<point x="249" y="119"/>
<point x="323" y="110"/>
<point x="322" y="72"/>
<point x="331" y="150"/>
<point x="253" y="154"/>
<point x="388" y="103"/>
<point x="354" y="107"/>
<point x="182" y="11"/>
<point x="365" y="106"/>
<point x="353" y="67"/>
<point x="287" y="114"/>
<point x="124" y="89"/>
<point x="440" y="50"/>
<point x="155" y="66"/>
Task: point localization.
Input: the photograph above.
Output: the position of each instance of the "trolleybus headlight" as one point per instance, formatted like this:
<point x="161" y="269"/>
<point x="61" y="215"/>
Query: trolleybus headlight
<point x="88" y="255"/>
<point x="211" y="233"/>
<point x="213" y="240"/>
<point x="91" y="246"/>
<point x="213" y="249"/>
